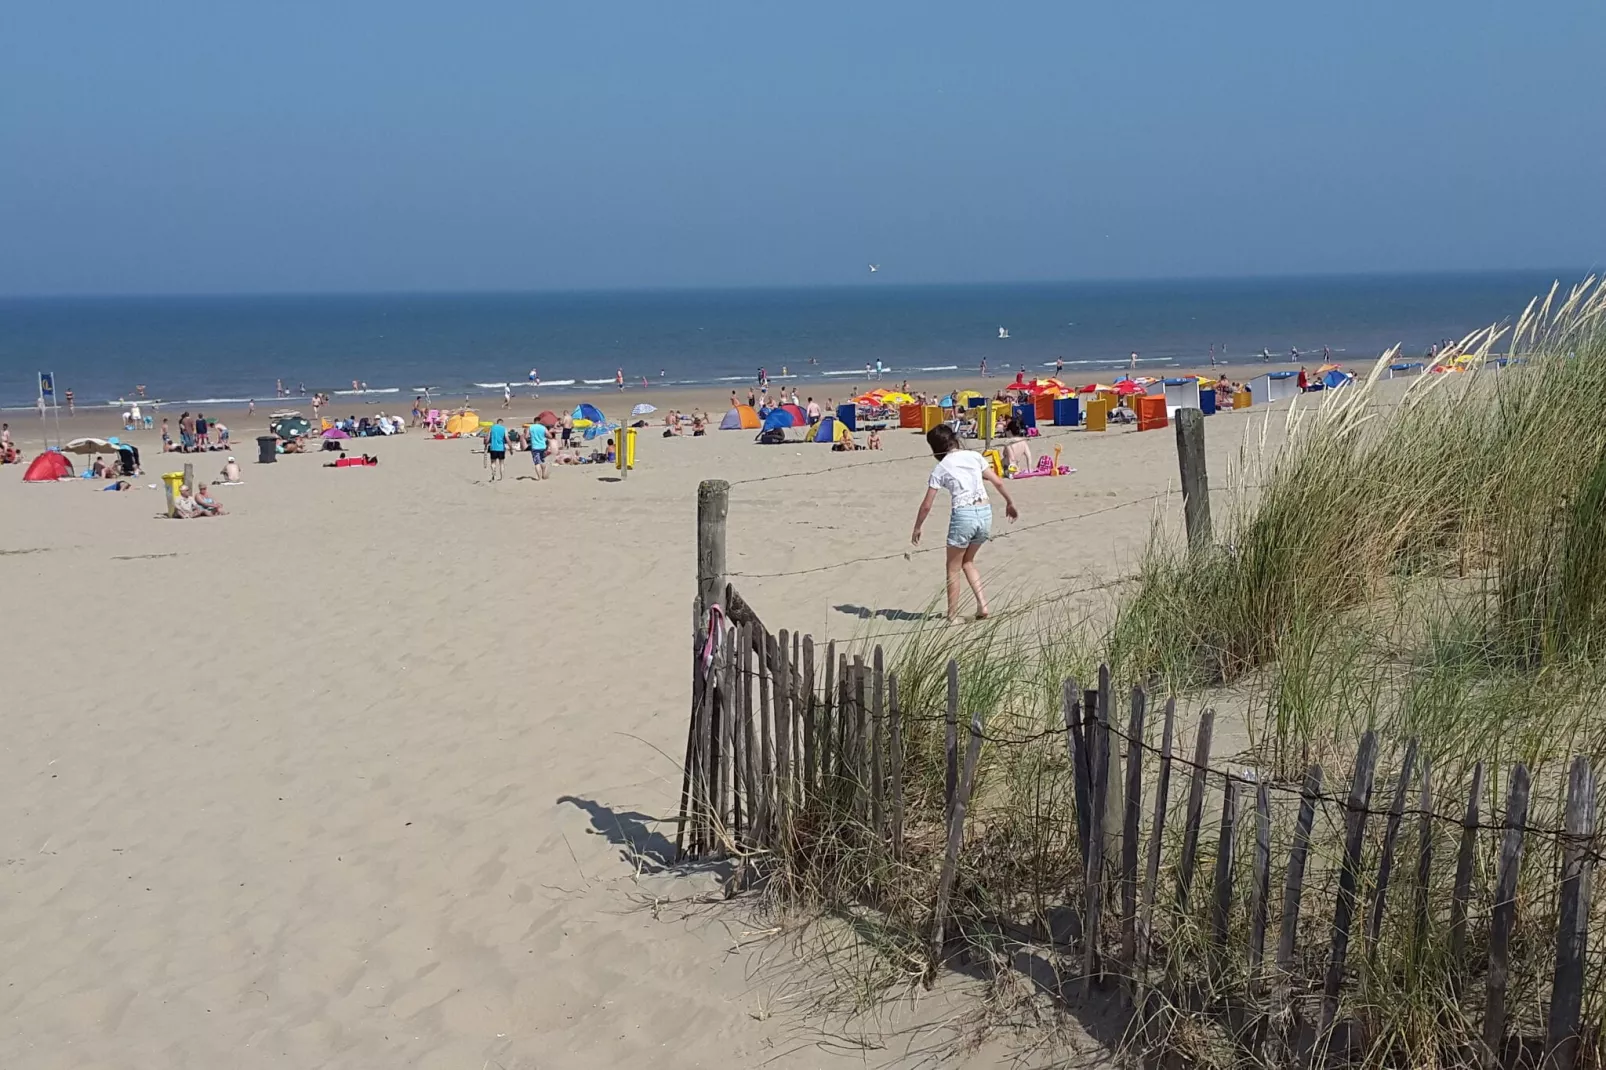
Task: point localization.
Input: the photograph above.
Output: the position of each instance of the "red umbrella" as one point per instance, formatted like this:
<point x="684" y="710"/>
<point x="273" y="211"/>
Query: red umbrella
<point x="1127" y="386"/>
<point x="548" y="419"/>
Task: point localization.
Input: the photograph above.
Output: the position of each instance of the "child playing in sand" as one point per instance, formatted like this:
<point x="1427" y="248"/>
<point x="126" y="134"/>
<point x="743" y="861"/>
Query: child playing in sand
<point x="965" y="475"/>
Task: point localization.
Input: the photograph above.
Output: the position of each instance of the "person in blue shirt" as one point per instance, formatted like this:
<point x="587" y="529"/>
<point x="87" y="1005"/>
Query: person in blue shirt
<point x="538" y="448"/>
<point x="496" y="446"/>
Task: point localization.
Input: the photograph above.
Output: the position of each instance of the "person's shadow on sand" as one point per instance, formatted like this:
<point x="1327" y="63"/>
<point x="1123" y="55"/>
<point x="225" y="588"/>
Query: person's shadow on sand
<point x="866" y="613"/>
<point x="641" y="845"/>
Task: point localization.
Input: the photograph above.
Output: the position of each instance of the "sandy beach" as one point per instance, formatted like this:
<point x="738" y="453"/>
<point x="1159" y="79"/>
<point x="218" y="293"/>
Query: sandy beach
<point x="371" y="771"/>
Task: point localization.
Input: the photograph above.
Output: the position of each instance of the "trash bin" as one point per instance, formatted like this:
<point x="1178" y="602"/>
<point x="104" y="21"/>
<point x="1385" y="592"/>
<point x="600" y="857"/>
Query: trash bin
<point x="267" y="449"/>
<point x="172" y="481"/>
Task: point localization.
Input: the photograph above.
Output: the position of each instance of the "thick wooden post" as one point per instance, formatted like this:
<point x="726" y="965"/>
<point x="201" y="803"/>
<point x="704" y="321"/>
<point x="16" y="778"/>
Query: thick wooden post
<point x="713" y="504"/>
<point x="1195" y="478"/>
<point x="1572" y="937"/>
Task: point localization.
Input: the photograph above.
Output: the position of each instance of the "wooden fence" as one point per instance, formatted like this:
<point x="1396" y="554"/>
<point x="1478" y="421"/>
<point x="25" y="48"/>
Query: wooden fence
<point x="796" y="761"/>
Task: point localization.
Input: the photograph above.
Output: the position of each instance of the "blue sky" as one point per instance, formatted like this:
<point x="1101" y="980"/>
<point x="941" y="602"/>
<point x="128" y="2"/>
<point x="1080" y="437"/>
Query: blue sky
<point x="217" y="146"/>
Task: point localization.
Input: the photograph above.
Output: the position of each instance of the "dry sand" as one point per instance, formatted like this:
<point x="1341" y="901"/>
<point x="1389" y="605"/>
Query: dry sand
<point x="369" y="772"/>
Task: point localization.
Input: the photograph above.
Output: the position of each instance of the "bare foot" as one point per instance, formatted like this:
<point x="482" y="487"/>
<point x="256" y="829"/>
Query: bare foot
<point x="983" y="615"/>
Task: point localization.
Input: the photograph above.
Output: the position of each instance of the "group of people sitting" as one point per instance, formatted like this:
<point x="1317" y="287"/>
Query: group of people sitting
<point x="846" y="443"/>
<point x="196" y="434"/>
<point x="676" y="423"/>
<point x="371" y="425"/>
<point x="188" y="506"/>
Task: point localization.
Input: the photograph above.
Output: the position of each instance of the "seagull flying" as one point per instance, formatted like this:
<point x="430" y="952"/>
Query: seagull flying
<point x="874" y="268"/>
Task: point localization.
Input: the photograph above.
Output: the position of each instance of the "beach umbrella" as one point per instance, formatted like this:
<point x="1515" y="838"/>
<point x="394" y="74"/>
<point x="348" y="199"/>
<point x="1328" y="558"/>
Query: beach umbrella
<point x="1094" y="388"/>
<point x="291" y="427"/>
<point x="1127" y="387"/>
<point x="335" y="432"/>
<point x="587" y="411"/>
<point x="89" y="445"/>
<point x="643" y="409"/>
<point x="548" y="419"/>
<point x="799" y="417"/>
<point x="778" y="418"/>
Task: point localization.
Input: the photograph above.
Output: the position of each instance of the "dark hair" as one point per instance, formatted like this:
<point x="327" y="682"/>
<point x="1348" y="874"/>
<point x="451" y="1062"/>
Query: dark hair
<point x="943" y="440"/>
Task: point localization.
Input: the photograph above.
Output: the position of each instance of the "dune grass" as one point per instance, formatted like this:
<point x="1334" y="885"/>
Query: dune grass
<point x="1428" y="563"/>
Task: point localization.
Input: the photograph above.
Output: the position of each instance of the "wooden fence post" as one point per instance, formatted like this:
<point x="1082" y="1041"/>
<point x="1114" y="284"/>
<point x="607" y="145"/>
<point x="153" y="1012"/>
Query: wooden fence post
<point x="713" y="505"/>
<point x="1162" y="792"/>
<point x="1349" y="878"/>
<point x="783" y="734"/>
<point x="861" y="740"/>
<point x="1195" y="814"/>
<point x="895" y="755"/>
<point x="689" y="765"/>
<point x="1109" y="757"/>
<point x="810" y="716"/>
<point x="1195" y="477"/>
<point x="951" y="739"/>
<point x="750" y="770"/>
<point x="827" y="719"/>
<point x="1293" y="892"/>
<point x="1221" y="896"/>
<point x="1424" y="866"/>
<point x="1503" y="916"/>
<point x="766" y="745"/>
<point x="1260" y="886"/>
<point x="950" y="857"/>
<point x="1130" y="832"/>
<point x="1572" y="938"/>
<point x="1391" y="831"/>
<point x="878" y="683"/>
<point x="1463" y="879"/>
<point x="1076" y="750"/>
<point x="1098" y="839"/>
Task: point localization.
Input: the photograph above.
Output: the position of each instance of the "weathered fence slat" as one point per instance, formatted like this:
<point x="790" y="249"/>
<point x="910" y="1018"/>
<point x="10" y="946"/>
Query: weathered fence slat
<point x="783" y="732"/>
<point x="725" y="763"/>
<point x="878" y="683"/>
<point x="1424" y="867"/>
<point x="1391" y="832"/>
<point x="1076" y="750"/>
<point x="1294" y="880"/>
<point x="1099" y="754"/>
<point x="689" y="766"/>
<point x="810" y="719"/>
<point x="843" y="730"/>
<point x="1162" y="789"/>
<point x="859" y="770"/>
<point x="950" y="857"/>
<point x="895" y="756"/>
<point x="827" y="722"/>
<point x="798" y="701"/>
<point x="766" y="744"/>
<point x="951" y="739"/>
<point x="1503" y="916"/>
<point x="744" y="691"/>
<point x="1349" y="878"/>
<point x="1114" y="807"/>
<point x="1226" y="851"/>
<point x="1130" y="830"/>
<point x="1260" y="882"/>
<point x="1195" y="813"/>
<point x="1463" y="878"/>
<point x="1577" y="874"/>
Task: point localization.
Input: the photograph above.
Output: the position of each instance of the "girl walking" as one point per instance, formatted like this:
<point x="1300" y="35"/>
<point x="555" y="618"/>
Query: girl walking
<point x="965" y="475"/>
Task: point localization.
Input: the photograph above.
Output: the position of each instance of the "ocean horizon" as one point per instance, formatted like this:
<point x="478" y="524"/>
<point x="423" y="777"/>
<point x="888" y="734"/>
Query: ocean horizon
<point x="216" y="349"/>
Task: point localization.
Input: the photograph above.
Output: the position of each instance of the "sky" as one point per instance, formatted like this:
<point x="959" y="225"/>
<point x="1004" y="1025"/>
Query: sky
<point x="216" y="146"/>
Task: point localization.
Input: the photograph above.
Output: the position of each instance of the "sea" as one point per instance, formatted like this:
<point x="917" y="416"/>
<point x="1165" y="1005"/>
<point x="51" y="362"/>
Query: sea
<point x="385" y="348"/>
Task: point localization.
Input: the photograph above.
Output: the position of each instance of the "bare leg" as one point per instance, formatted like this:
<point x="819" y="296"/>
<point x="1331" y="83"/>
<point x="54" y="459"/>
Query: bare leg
<point x="956" y="556"/>
<point x="968" y="563"/>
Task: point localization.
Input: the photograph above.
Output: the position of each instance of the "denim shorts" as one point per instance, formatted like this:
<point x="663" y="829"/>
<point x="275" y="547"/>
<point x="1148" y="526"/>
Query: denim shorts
<point x="538" y="456"/>
<point x="970" y="525"/>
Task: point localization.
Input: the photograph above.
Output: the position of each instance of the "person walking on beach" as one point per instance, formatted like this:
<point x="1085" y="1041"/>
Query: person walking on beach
<point x="496" y="447"/>
<point x="1133" y="364"/>
<point x="507" y="396"/>
<point x="964" y="474"/>
<point x="1212" y="354"/>
<point x="538" y="448"/>
<point x="984" y="367"/>
<point x="66" y="395"/>
<point x="1059" y="367"/>
<point x="619" y="379"/>
<point x="250" y="407"/>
